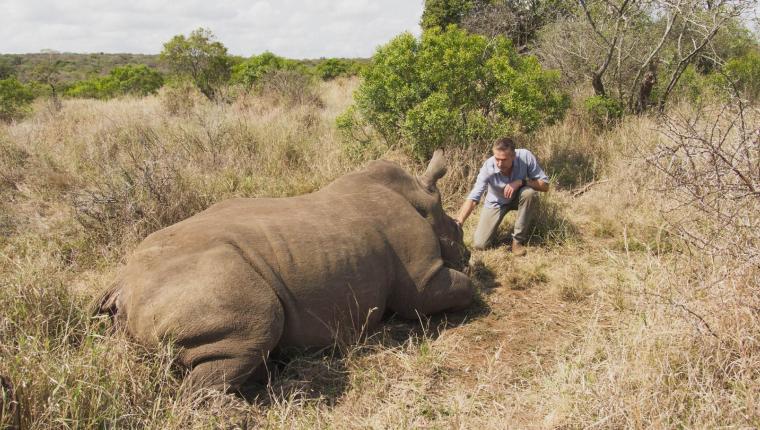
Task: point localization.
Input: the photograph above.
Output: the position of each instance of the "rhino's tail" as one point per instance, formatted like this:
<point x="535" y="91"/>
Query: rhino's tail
<point x="106" y="303"/>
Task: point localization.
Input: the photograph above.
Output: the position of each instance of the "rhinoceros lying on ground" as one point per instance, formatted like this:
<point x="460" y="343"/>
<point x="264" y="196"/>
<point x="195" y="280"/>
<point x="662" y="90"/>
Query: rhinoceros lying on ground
<point x="247" y="275"/>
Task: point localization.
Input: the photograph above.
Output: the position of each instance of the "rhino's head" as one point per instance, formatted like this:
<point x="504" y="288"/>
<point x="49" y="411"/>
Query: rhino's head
<point x="450" y="235"/>
<point x="422" y="193"/>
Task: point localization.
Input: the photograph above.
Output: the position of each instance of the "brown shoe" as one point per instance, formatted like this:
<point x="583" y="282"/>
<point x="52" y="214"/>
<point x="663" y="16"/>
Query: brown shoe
<point x="518" y="249"/>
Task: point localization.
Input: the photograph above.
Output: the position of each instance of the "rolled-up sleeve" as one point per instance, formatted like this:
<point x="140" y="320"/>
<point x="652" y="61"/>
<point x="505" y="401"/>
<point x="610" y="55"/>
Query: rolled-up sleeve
<point x="481" y="183"/>
<point x="534" y="170"/>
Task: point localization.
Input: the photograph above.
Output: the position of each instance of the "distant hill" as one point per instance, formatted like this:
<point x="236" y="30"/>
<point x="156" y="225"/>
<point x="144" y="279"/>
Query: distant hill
<point x="75" y="67"/>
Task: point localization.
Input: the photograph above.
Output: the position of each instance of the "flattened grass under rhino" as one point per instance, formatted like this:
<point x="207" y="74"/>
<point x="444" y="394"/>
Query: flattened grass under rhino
<point x="235" y="281"/>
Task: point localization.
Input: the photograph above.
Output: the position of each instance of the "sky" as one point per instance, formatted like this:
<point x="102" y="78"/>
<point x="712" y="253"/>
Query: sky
<point x="290" y="28"/>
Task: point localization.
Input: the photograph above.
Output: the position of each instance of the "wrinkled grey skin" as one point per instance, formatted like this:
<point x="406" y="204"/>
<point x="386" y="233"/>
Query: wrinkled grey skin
<point x="235" y="281"/>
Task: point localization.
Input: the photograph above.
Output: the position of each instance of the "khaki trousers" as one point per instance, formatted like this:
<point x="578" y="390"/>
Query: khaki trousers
<point x="525" y="204"/>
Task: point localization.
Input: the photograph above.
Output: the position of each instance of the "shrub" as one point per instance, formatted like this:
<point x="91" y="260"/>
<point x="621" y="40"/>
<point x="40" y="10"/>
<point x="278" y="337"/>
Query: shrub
<point x="251" y="71"/>
<point x="335" y="67"/>
<point x="96" y="88"/>
<point x="179" y="96"/>
<point x="744" y="72"/>
<point x="15" y="98"/>
<point x="603" y="111"/>
<point x="139" y="80"/>
<point x="289" y="87"/>
<point x="451" y="88"/>
<point x="692" y="85"/>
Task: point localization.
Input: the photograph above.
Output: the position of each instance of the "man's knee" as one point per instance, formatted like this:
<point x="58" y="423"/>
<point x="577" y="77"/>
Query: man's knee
<point x="528" y="194"/>
<point x="479" y="245"/>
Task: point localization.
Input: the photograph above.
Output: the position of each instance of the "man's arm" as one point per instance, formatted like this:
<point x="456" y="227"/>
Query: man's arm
<point x="538" y="185"/>
<point x="481" y="183"/>
<point x="464" y="212"/>
<point x="537" y="178"/>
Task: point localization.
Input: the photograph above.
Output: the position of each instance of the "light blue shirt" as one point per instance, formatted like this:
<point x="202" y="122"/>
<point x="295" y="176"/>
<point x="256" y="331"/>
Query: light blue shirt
<point x="525" y="166"/>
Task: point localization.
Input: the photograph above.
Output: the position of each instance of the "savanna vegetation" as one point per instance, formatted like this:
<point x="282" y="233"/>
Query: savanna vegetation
<point x="198" y="60"/>
<point x="637" y="305"/>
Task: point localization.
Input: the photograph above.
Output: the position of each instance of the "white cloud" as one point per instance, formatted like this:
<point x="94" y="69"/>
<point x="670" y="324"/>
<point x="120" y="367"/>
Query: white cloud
<point x="293" y="28"/>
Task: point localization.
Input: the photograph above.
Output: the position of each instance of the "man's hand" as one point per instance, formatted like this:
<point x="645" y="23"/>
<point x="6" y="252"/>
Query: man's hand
<point x="512" y="188"/>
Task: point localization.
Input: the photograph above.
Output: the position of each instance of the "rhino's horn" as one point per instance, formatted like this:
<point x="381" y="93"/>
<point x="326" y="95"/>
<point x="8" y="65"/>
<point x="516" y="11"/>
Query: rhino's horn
<point x="435" y="170"/>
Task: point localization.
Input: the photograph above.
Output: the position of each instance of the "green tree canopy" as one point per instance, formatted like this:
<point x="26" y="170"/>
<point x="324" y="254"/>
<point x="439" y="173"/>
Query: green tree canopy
<point x="442" y="13"/>
<point x="200" y="58"/>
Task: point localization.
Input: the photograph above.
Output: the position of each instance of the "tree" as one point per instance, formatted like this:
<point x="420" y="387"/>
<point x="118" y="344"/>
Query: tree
<point x="47" y="72"/>
<point x="635" y="51"/>
<point x="452" y="88"/>
<point x="15" y="98"/>
<point x="442" y="13"/>
<point x="517" y="20"/>
<point x="200" y="58"/>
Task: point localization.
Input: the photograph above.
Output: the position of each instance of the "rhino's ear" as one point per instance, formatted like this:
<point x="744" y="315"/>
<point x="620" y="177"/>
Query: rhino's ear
<point x="435" y="170"/>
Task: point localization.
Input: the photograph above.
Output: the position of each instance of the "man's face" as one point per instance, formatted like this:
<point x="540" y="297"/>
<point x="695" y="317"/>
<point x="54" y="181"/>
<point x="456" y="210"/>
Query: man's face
<point x="504" y="160"/>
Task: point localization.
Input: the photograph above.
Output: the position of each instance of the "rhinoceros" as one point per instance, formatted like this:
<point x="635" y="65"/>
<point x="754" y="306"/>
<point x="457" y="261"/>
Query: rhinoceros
<point x="230" y="284"/>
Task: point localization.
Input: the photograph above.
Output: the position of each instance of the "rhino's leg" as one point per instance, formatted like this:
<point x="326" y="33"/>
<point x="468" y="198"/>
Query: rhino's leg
<point x="447" y="290"/>
<point x="226" y="364"/>
<point x="225" y="359"/>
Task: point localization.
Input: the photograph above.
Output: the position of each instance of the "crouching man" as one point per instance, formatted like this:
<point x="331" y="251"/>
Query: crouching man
<point x="513" y="179"/>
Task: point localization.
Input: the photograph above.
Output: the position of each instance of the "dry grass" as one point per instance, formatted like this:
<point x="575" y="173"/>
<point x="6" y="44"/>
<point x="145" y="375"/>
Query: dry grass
<point x="608" y="322"/>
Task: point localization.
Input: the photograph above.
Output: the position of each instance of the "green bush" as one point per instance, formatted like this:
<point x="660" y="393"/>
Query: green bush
<point x="138" y="80"/>
<point x="15" y="99"/>
<point x="691" y="87"/>
<point x="603" y="111"/>
<point x="744" y="73"/>
<point x="89" y="89"/>
<point x="252" y="70"/>
<point x="451" y="88"/>
<point x="332" y="68"/>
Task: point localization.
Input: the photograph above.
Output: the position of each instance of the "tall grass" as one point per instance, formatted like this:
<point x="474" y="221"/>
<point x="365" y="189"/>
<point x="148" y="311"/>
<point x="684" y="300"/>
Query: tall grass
<point x="610" y="321"/>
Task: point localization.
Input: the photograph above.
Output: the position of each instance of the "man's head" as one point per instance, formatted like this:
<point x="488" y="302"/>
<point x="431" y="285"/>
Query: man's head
<point x="504" y="153"/>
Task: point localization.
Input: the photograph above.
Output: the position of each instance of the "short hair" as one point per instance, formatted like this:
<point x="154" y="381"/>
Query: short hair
<point x="503" y="144"/>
